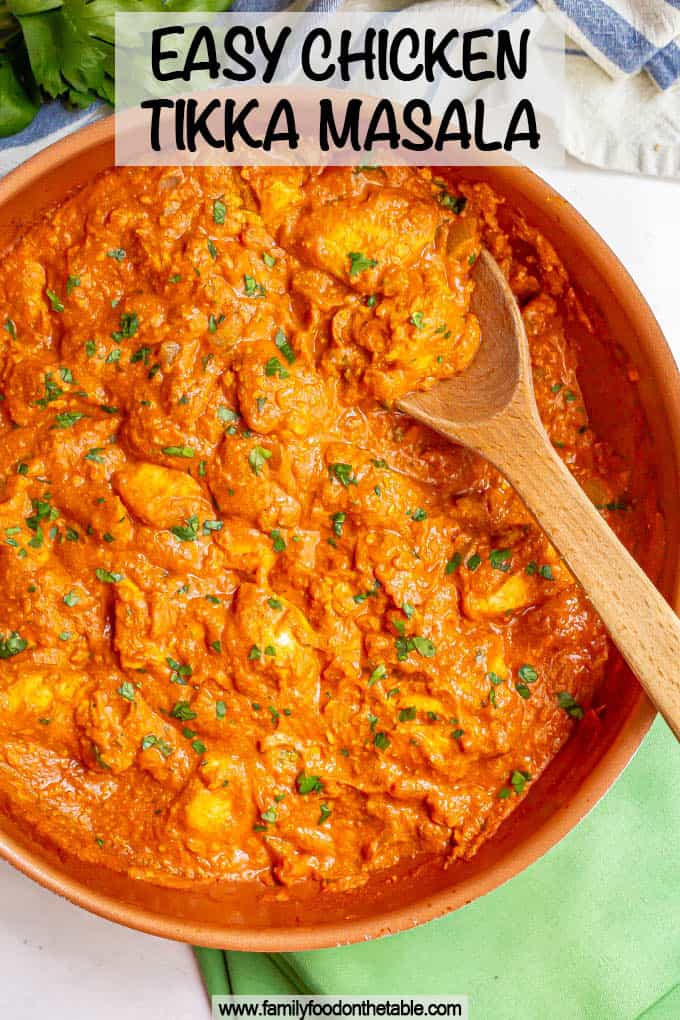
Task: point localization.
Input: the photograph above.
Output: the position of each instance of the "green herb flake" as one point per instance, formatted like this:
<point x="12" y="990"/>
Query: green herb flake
<point x="308" y="784"/>
<point x="127" y="690"/>
<point x="107" y="577"/>
<point x="219" y="211"/>
<point x="257" y="458"/>
<point x="12" y="645"/>
<point x="251" y="287"/>
<point x="129" y="324"/>
<point x="55" y="301"/>
<point x="187" y="532"/>
<point x="67" y="419"/>
<point x="456" y="203"/>
<point x="359" y="263"/>
<point x="518" y="781"/>
<point x="343" y="473"/>
<point x="379" y="673"/>
<point x="453" y="564"/>
<point x="500" y="559"/>
<point x="337" y="521"/>
<point x="182" y="710"/>
<point x="185" y="452"/>
<point x="226" y="414"/>
<point x="281" y="341"/>
<point x="151" y="740"/>
<point x="278" y="543"/>
<point x="273" y="367"/>
<point x="567" y="701"/>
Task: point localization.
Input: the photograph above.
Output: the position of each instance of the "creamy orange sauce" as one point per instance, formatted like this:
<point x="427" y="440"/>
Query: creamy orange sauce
<point x="254" y="621"/>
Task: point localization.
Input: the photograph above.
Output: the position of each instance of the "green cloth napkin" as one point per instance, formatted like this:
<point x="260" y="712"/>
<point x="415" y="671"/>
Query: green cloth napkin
<point x="589" y="932"/>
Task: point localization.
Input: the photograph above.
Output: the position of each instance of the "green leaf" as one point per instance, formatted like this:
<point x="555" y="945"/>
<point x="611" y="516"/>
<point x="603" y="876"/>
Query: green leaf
<point x="309" y="784"/>
<point x="257" y="458"/>
<point x="17" y="108"/>
<point x="11" y="645"/>
<point x="65" y="48"/>
<point x="106" y="577"/>
<point x="359" y="263"/>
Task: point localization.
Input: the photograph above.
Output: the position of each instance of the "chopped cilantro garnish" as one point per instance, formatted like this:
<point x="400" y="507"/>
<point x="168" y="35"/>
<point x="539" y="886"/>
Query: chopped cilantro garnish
<point x="187" y="532"/>
<point x="281" y="341"/>
<point x="358" y="263"/>
<point x="11" y="645"/>
<point x="219" y="211"/>
<point x="178" y="451"/>
<point x="273" y="367"/>
<point x="343" y="473"/>
<point x="252" y="287"/>
<point x="129" y="324"/>
<point x="107" y="577"/>
<point x="338" y="520"/>
<point x="379" y="673"/>
<point x="567" y="701"/>
<point x="150" y="740"/>
<point x="500" y="559"/>
<point x="308" y="784"/>
<point x="257" y="458"/>
<point x="55" y="301"/>
<point x="182" y="710"/>
<point x="453" y="564"/>
<point x="67" y="418"/>
<point x="278" y="543"/>
<point x="456" y="203"/>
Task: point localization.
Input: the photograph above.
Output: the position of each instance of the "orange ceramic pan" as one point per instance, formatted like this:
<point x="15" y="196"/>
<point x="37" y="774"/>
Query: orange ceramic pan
<point x="251" y="917"/>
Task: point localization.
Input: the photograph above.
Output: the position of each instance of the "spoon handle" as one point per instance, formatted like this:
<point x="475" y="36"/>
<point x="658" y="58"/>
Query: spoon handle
<point x="639" y="620"/>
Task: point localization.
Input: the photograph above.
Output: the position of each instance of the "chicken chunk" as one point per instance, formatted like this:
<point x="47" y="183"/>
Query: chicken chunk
<point x="160" y="496"/>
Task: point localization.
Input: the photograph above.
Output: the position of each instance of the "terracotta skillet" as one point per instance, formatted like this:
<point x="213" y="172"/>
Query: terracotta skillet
<point x="492" y="409"/>
<point x="248" y="918"/>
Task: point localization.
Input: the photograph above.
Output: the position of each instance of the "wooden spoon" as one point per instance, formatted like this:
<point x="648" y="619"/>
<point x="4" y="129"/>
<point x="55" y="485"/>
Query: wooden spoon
<point x="491" y="409"/>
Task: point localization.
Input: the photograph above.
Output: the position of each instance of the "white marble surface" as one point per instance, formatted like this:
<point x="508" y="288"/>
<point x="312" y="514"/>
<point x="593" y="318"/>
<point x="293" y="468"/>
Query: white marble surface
<point x="57" y="961"/>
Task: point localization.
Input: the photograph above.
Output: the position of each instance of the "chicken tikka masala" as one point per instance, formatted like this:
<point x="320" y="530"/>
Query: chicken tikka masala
<point x="255" y="622"/>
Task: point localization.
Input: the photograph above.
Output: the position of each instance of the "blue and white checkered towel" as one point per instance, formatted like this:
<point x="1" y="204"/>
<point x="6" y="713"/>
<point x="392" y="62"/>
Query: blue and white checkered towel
<point x="622" y="36"/>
